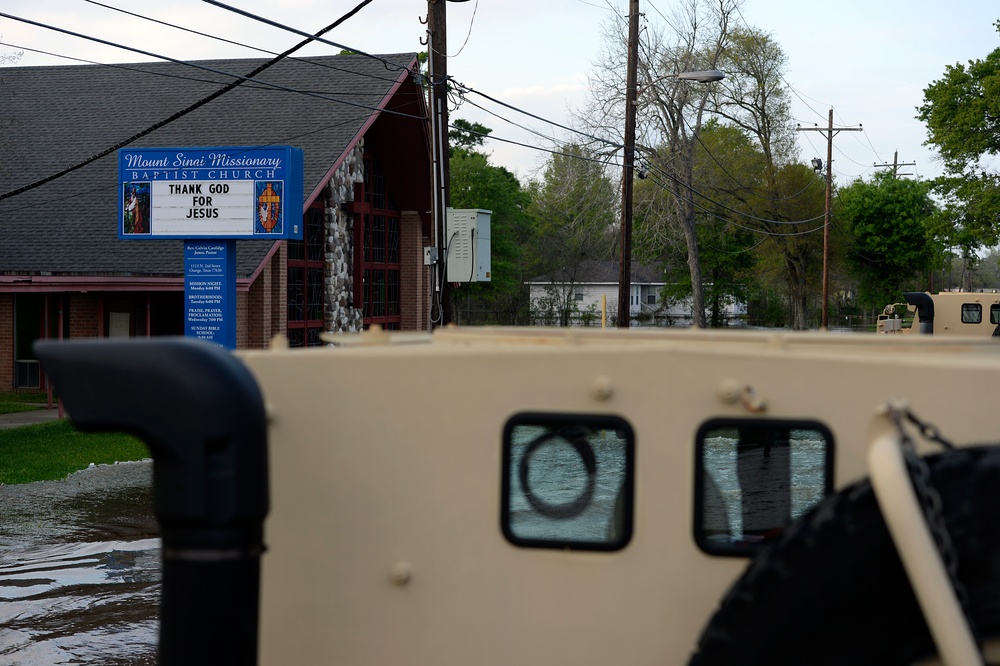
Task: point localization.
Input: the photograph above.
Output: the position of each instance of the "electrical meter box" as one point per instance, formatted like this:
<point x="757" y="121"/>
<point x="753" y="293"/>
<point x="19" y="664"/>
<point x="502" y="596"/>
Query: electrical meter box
<point x="467" y="246"/>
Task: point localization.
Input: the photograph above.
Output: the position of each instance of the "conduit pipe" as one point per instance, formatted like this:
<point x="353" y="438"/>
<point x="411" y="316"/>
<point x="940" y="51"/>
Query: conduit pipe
<point x="201" y="413"/>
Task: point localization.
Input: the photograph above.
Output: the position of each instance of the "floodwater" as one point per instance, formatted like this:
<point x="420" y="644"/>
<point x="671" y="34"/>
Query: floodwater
<point x="80" y="569"/>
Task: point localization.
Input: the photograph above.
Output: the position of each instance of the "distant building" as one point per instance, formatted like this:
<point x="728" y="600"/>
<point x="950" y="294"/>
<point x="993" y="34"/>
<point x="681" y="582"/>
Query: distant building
<point x="574" y="297"/>
<point x="361" y="123"/>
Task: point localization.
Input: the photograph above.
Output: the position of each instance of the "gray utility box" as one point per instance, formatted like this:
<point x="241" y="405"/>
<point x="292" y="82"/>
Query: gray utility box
<point x="467" y="245"/>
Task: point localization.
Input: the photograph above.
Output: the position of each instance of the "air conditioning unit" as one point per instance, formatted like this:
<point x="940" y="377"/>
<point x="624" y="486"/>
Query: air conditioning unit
<point x="467" y="245"/>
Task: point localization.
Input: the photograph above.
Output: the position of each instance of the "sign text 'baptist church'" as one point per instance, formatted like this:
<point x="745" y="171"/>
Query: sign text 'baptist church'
<point x="225" y="192"/>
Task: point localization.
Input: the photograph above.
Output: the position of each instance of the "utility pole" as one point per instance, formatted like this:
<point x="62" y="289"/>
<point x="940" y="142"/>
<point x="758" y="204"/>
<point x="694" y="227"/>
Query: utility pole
<point x="829" y="133"/>
<point x="437" y="62"/>
<point x="895" y="166"/>
<point x="628" y="163"/>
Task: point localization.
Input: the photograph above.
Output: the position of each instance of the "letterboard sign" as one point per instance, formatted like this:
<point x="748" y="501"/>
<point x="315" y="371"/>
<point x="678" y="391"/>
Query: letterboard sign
<point x="218" y="193"/>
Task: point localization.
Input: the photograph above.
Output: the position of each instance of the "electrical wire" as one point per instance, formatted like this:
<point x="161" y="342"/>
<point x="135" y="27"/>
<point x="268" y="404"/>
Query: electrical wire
<point x="559" y="143"/>
<point x="228" y="87"/>
<point x="171" y="25"/>
<point x="277" y="142"/>
<point x="472" y="22"/>
<point x="466" y="89"/>
<point x="673" y="178"/>
<point x="753" y="229"/>
<point x="389" y="65"/>
<point x="171" y="75"/>
<point x="230" y="41"/>
<point x="386" y="63"/>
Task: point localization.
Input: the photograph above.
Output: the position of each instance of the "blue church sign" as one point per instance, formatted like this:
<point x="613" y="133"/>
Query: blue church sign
<point x="225" y="192"/>
<point x="210" y="198"/>
<point x="210" y="291"/>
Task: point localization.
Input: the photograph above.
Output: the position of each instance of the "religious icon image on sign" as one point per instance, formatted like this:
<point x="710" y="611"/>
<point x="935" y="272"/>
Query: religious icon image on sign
<point x="268" y="207"/>
<point x="135" y="208"/>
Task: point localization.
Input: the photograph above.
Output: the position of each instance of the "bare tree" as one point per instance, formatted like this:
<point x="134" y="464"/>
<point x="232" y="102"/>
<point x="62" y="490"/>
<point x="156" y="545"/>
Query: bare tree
<point x="670" y="111"/>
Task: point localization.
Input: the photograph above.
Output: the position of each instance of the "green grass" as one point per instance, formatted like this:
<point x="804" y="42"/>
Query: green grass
<point x="54" y="450"/>
<point x="11" y="403"/>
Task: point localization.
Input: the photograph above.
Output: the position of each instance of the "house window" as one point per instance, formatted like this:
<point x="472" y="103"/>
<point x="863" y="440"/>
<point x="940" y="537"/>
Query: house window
<point x="305" y="282"/>
<point x="578" y="295"/>
<point x="377" y="274"/>
<point x="36" y="316"/>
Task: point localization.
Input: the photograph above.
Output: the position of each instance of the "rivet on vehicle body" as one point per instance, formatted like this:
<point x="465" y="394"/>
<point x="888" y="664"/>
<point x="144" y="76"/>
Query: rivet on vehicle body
<point x="400" y="573"/>
<point x="729" y="391"/>
<point x="601" y="388"/>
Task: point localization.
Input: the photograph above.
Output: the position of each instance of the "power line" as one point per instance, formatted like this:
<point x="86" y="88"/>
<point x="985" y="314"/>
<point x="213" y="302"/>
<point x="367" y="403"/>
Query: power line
<point x="312" y="38"/>
<point x="673" y="178"/>
<point x="466" y="89"/>
<point x="182" y="112"/>
<point x="472" y="22"/>
<point x="230" y="41"/>
<point x="755" y="230"/>
<point x="386" y="63"/>
<point x="171" y="25"/>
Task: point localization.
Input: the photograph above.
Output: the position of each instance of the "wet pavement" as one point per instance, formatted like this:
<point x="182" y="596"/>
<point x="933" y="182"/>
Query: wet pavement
<point x="28" y="418"/>
<point x="80" y="569"/>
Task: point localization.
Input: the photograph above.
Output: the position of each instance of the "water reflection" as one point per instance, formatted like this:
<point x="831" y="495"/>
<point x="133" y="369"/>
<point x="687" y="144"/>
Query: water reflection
<point x="80" y="569"/>
<point x="568" y="481"/>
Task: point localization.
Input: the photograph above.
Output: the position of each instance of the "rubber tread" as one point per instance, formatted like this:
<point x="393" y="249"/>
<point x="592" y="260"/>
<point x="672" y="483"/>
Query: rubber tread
<point x="832" y="589"/>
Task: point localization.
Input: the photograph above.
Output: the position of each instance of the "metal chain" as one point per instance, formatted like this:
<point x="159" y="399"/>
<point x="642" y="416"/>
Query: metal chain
<point x="928" y="430"/>
<point x="930" y="499"/>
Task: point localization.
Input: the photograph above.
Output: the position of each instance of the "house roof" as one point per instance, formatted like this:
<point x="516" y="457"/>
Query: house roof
<point x="52" y="118"/>
<point x="597" y="271"/>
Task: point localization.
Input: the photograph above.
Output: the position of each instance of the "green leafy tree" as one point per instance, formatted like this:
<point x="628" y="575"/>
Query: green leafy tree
<point x="893" y="243"/>
<point x="466" y="136"/>
<point x="475" y="183"/>
<point x="725" y="164"/>
<point x="794" y="223"/>
<point x="962" y="113"/>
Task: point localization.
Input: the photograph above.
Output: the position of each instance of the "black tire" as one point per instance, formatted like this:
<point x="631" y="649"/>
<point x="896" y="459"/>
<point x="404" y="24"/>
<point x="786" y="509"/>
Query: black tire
<point x="832" y="589"/>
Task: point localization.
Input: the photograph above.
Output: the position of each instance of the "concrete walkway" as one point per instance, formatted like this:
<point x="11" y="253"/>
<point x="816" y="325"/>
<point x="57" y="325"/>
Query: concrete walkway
<point x="27" y="418"/>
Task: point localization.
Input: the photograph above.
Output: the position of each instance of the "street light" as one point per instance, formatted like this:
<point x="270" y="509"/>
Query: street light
<point x="625" y="264"/>
<point x="704" y="76"/>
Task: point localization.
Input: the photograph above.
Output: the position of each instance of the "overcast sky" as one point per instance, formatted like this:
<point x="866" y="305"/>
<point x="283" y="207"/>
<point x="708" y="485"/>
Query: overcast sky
<point x="870" y="61"/>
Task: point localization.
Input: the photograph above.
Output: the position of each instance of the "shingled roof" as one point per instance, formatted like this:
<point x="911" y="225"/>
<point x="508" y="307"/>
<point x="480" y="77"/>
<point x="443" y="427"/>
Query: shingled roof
<point x="602" y="271"/>
<point x="52" y="118"/>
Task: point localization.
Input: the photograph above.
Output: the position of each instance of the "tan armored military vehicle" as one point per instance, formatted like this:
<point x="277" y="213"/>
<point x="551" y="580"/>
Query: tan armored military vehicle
<point x="947" y="313"/>
<point x="529" y="496"/>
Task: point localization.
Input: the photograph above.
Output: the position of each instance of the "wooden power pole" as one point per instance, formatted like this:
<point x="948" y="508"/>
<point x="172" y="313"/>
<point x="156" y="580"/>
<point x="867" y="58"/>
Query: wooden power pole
<point x="829" y="132"/>
<point x="437" y="59"/>
<point x="895" y="166"/>
<point x="628" y="163"/>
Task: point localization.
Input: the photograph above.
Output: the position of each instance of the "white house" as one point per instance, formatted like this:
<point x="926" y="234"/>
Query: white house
<point x="583" y="294"/>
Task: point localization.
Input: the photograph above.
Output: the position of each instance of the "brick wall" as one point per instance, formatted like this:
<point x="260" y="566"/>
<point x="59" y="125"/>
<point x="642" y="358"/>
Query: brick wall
<point x="6" y="342"/>
<point x="413" y="275"/>
<point x="83" y="312"/>
<point x="264" y="308"/>
<point x="279" y="291"/>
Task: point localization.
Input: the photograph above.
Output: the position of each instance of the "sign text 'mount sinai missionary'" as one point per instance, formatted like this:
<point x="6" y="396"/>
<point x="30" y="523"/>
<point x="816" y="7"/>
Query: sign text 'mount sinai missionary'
<point x="225" y="192"/>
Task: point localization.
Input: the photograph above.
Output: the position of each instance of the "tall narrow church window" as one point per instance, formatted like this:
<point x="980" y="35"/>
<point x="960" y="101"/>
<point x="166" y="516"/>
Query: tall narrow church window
<point x="377" y="280"/>
<point x="305" y="282"/>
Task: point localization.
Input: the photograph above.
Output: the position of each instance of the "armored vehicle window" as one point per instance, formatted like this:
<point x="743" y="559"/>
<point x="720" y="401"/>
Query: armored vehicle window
<point x="995" y="314"/>
<point x="972" y="313"/>
<point x="567" y="481"/>
<point x="753" y="477"/>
